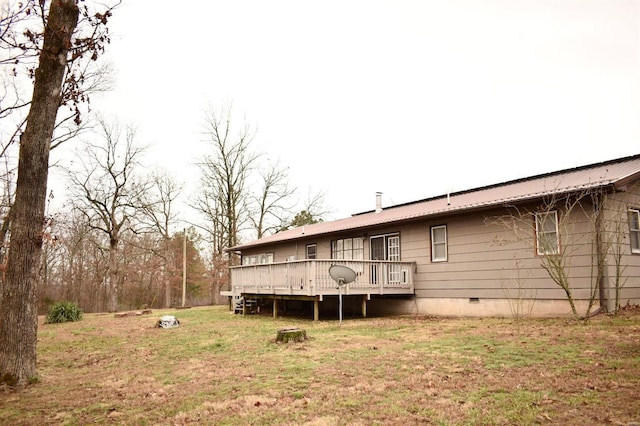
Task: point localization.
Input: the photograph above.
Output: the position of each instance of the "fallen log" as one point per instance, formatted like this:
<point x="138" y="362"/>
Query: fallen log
<point x="132" y="313"/>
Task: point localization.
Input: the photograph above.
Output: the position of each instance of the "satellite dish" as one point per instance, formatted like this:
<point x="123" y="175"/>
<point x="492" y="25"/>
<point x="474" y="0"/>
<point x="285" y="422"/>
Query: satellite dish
<point x="342" y="274"/>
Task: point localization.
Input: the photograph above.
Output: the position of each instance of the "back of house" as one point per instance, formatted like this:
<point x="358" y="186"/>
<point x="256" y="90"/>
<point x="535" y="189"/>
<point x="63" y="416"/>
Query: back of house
<point x="562" y="243"/>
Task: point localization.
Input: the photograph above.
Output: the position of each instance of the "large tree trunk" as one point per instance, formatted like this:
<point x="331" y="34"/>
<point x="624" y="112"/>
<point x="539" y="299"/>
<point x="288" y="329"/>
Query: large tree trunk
<point x="18" y="328"/>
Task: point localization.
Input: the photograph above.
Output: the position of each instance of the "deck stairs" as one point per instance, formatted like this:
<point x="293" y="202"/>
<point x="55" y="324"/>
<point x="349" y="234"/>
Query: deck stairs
<point x="251" y="305"/>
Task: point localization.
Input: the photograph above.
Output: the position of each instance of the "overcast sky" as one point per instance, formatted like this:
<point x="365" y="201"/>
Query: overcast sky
<point x="409" y="98"/>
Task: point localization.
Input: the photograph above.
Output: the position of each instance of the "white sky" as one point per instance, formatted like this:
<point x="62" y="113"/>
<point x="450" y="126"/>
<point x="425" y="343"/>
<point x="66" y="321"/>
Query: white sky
<point x="410" y="98"/>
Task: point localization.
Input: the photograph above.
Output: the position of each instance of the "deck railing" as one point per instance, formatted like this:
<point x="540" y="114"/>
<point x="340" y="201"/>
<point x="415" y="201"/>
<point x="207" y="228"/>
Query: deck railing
<point x="311" y="278"/>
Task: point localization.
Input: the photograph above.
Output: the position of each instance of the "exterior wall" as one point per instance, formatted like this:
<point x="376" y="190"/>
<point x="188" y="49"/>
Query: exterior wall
<point x="622" y="266"/>
<point x="491" y="270"/>
<point x="488" y="261"/>
<point x="281" y="253"/>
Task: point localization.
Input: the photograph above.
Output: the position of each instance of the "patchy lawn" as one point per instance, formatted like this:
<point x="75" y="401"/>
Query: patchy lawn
<point x="219" y="368"/>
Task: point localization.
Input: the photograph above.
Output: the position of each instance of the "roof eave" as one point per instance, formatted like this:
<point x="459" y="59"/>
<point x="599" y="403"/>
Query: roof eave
<point x="622" y="183"/>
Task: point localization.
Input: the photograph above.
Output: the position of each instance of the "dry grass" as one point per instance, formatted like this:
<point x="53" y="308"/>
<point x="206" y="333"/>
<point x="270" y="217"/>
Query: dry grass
<point x="218" y="368"/>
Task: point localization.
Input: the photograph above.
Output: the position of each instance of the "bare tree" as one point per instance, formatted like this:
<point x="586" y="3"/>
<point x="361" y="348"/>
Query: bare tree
<point x="225" y="197"/>
<point x="555" y="220"/>
<point x="197" y="280"/>
<point x="18" y="327"/>
<point x="22" y="25"/>
<point x="83" y="262"/>
<point x="616" y="230"/>
<point x="51" y="256"/>
<point x="140" y="270"/>
<point x="78" y="264"/>
<point x="160" y="217"/>
<point x="21" y="36"/>
<point x="108" y="192"/>
<point x="273" y="202"/>
<point x="313" y="211"/>
<point x="206" y="202"/>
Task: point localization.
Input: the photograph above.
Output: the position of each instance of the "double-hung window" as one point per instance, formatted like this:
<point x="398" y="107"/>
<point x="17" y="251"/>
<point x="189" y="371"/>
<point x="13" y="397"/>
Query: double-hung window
<point x="547" y="236"/>
<point x="439" y="243"/>
<point x="634" y="230"/>
<point x="311" y="251"/>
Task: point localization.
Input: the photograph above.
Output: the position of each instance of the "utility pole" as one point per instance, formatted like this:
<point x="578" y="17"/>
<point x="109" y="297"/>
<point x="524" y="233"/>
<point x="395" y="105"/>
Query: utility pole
<point x="184" y="267"/>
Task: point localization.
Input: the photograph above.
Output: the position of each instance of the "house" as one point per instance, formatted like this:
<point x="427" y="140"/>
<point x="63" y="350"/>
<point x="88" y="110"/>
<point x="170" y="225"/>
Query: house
<point x="545" y="245"/>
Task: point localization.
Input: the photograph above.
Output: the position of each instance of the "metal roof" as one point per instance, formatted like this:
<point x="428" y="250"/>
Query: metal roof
<point x="615" y="172"/>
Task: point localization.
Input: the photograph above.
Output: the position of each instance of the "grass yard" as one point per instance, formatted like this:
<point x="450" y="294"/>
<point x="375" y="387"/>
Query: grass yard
<point x="224" y="369"/>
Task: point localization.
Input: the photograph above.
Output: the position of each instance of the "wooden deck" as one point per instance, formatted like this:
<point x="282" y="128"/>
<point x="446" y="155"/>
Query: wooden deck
<point x="309" y="280"/>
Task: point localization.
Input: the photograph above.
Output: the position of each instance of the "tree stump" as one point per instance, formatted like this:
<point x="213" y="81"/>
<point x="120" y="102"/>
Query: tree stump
<point x="291" y="334"/>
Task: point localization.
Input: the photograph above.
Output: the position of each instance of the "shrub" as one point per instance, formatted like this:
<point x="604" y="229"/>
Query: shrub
<point x="64" y="312"/>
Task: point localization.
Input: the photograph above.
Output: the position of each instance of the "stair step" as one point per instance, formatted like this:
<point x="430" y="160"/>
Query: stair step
<point x="250" y="304"/>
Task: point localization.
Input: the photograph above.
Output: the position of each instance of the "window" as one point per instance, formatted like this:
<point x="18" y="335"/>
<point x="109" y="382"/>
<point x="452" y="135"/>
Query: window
<point x="257" y="259"/>
<point x="439" y="243"/>
<point x="348" y="249"/>
<point x="547" y="233"/>
<point x="634" y="230"/>
<point x="311" y="251"/>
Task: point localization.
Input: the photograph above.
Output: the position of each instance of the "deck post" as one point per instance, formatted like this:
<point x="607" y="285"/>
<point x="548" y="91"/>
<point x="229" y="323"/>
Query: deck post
<point x="364" y="306"/>
<point x="275" y="307"/>
<point x="316" y="309"/>
<point x="244" y="305"/>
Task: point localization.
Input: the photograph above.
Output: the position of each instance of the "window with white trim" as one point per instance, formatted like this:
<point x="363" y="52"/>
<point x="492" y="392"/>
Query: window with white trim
<point x="634" y="230"/>
<point x="311" y="251"/>
<point x="257" y="259"/>
<point x="547" y="235"/>
<point x="348" y="249"/>
<point x="439" y="243"/>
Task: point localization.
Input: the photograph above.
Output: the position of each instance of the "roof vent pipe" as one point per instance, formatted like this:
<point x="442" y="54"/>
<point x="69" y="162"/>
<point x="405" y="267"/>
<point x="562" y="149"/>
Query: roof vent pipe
<point x="378" y="202"/>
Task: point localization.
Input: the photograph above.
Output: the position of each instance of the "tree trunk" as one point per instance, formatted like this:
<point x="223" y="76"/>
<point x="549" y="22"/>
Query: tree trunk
<point x="167" y="274"/>
<point x="167" y="290"/>
<point x="18" y="328"/>
<point x="113" y="275"/>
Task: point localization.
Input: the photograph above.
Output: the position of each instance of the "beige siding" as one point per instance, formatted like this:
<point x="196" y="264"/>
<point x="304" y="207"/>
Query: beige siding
<point x="484" y="260"/>
<point x="282" y="252"/>
<point x="617" y="230"/>
<point x="487" y="260"/>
